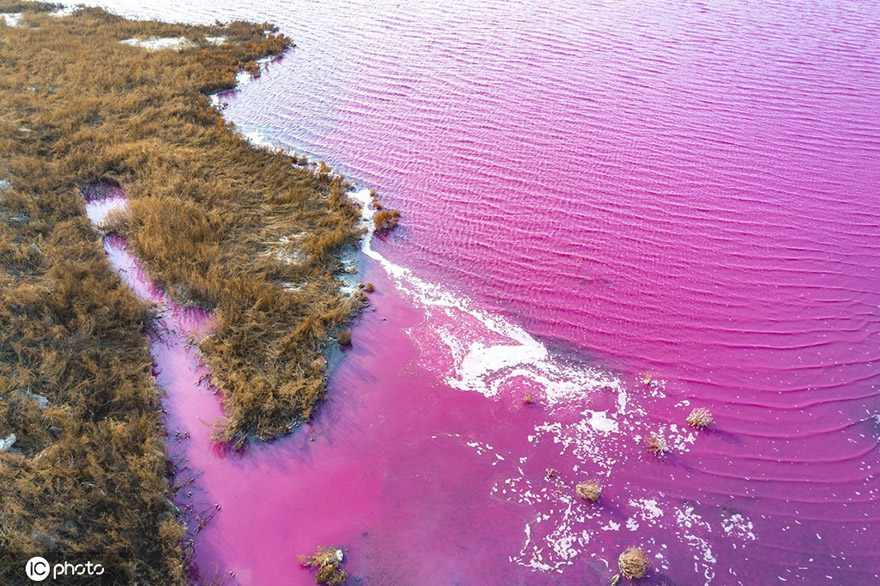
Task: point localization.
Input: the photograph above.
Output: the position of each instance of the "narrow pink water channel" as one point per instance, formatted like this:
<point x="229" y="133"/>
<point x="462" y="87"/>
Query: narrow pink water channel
<point x="401" y="472"/>
<point x="590" y="191"/>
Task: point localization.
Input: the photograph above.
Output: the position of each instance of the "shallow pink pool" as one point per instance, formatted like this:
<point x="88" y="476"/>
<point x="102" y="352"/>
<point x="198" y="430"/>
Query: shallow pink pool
<point x="590" y="191"/>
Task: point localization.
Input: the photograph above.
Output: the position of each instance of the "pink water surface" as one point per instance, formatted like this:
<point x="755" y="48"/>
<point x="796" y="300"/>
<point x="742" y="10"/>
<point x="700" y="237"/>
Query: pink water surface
<point x="589" y="191"/>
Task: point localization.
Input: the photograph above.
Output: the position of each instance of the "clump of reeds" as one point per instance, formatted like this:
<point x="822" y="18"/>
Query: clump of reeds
<point x="327" y="563"/>
<point x="700" y="418"/>
<point x="551" y="473"/>
<point x="656" y="444"/>
<point x="647" y="377"/>
<point x="343" y="338"/>
<point x="369" y="287"/>
<point x="589" y="490"/>
<point x="632" y="564"/>
<point x="386" y="220"/>
<point x="528" y="399"/>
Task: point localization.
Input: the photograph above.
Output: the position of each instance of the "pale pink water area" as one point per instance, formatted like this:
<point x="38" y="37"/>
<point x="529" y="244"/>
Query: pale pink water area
<point x="590" y="190"/>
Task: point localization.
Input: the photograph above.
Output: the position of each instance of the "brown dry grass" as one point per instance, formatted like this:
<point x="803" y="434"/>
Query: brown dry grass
<point x="86" y="479"/>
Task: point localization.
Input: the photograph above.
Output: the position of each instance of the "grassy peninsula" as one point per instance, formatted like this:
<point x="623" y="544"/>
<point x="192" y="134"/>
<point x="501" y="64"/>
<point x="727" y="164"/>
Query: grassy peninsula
<point x="244" y="231"/>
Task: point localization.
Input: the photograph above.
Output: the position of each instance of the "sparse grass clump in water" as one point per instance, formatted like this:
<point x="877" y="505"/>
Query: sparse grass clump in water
<point x="528" y="400"/>
<point x="700" y="418"/>
<point x="344" y="338"/>
<point x="386" y="220"/>
<point x="632" y="564"/>
<point x="656" y="444"/>
<point x="326" y="562"/>
<point x="589" y="490"/>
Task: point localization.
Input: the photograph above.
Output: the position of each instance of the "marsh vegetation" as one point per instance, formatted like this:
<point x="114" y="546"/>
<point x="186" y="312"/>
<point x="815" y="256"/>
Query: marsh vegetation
<point x="86" y="476"/>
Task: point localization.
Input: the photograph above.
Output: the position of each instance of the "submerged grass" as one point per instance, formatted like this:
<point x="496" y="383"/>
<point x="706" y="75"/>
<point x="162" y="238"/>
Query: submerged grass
<point x="85" y="479"/>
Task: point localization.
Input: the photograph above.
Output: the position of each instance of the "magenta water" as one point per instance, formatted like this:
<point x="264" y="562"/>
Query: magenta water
<point x="590" y="191"/>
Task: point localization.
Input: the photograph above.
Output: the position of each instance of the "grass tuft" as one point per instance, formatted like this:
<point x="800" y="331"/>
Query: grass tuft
<point x="633" y="564"/>
<point x="386" y="220"/>
<point x="326" y="562"/>
<point x="656" y="444"/>
<point x="589" y="490"/>
<point x="700" y="418"/>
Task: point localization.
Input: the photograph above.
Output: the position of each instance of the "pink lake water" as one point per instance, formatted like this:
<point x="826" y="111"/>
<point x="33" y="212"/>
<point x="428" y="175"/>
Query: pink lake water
<point x="589" y="191"/>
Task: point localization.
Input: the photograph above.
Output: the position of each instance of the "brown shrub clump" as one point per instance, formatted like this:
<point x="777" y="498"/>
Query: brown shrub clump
<point x="633" y="564"/>
<point x="344" y="338"/>
<point x="86" y="476"/>
<point x="589" y="490"/>
<point x="700" y="418"/>
<point x="326" y="561"/>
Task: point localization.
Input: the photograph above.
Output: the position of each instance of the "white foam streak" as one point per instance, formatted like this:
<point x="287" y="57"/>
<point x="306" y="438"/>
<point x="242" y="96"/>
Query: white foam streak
<point x="489" y="350"/>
